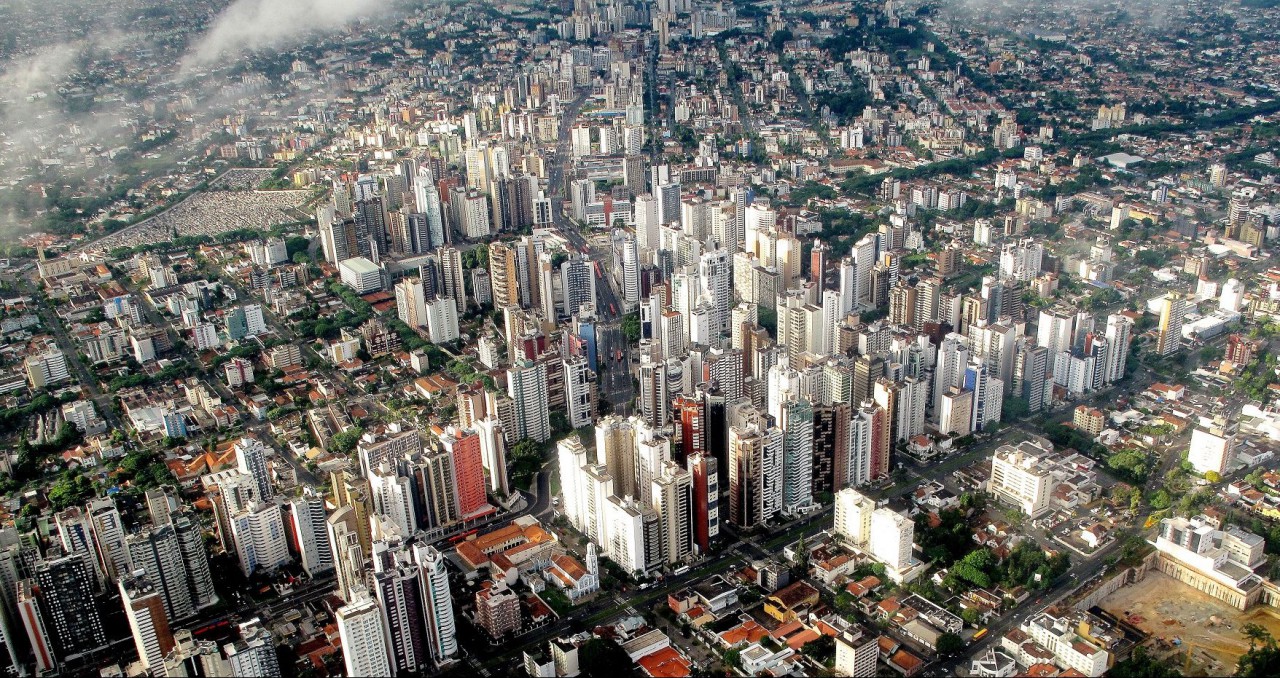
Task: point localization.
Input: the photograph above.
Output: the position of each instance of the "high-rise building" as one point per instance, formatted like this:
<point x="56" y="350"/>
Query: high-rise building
<point x="796" y="422"/>
<point x="195" y="557"/>
<point x="260" y="539"/>
<point x="452" y="277"/>
<point x="831" y="425"/>
<point x="853" y="517"/>
<point x="497" y="609"/>
<point x="37" y="632"/>
<point x="364" y="648"/>
<point x="527" y="387"/>
<point x="654" y="401"/>
<point x="348" y="555"/>
<point x="706" y="500"/>
<point x="108" y="537"/>
<point x="1212" y="446"/>
<point x="76" y="535"/>
<point x="398" y="591"/>
<point x="579" y="390"/>
<point x="988" y="396"/>
<point x="616" y="449"/>
<point x="251" y="458"/>
<point x="254" y="654"/>
<point x="755" y="473"/>
<point x="192" y="657"/>
<point x="392" y="496"/>
<point x="144" y="608"/>
<point x="715" y="273"/>
<point x="673" y="501"/>
<point x="577" y="278"/>
<point x="1118" y="334"/>
<point x="47" y="369"/>
<point x="1030" y="378"/>
<point x="157" y="554"/>
<point x="411" y="302"/>
<point x="310" y="533"/>
<point x="857" y="651"/>
<point x="503" y="275"/>
<point x="437" y="603"/>
<point x="161" y="503"/>
<point x="629" y="265"/>
<point x="463" y="447"/>
<point x="1173" y="309"/>
<point x="891" y="535"/>
<point x="493" y="454"/>
<point x="1018" y="477"/>
<point x="68" y="611"/>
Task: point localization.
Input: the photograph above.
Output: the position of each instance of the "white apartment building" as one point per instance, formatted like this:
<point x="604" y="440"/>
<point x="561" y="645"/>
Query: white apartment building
<point x="442" y="320"/>
<point x="853" y="516"/>
<point x="259" y="536"/>
<point x="364" y="647"/>
<point x="1019" y="478"/>
<point x="891" y="535"/>
<point x="1062" y="636"/>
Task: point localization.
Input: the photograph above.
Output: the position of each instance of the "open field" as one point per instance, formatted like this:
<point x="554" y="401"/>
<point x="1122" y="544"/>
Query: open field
<point x="1168" y="609"/>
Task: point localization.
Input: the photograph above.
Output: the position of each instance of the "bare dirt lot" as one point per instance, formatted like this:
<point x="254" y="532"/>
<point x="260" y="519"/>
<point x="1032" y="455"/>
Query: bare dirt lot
<point x="1168" y="609"/>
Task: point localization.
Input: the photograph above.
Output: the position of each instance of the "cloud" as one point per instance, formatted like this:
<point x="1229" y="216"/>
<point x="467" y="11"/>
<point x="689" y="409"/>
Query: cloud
<point x="249" y="25"/>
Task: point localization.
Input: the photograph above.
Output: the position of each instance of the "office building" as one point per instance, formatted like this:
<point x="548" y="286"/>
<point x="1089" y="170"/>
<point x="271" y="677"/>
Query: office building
<point x="755" y="473"/>
<point x="361" y="275"/>
<point x="706" y="500"/>
<point x="578" y="280"/>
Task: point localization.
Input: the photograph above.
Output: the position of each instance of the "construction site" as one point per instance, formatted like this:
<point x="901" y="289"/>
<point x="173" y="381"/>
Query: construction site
<point x="1197" y="631"/>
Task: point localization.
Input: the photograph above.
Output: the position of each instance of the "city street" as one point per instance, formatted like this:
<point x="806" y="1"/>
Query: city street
<point x="616" y="387"/>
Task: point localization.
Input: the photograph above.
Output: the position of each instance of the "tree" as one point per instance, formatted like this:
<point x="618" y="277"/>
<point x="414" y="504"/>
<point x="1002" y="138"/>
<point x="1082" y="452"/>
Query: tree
<point x="347" y="440"/>
<point x="1256" y="634"/>
<point x="1141" y="664"/>
<point x="1263" y="660"/>
<point x="631" y="327"/>
<point x="1213" y="476"/>
<point x="1160" y="500"/>
<point x="600" y="658"/>
<point x="950" y="644"/>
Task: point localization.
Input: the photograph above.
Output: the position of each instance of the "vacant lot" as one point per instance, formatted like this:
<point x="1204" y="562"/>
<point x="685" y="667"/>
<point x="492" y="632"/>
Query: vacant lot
<point x="1168" y="609"/>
